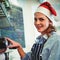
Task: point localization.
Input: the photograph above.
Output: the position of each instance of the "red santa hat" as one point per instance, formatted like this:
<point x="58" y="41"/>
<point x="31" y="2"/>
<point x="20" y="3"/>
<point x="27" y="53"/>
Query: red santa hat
<point x="47" y="10"/>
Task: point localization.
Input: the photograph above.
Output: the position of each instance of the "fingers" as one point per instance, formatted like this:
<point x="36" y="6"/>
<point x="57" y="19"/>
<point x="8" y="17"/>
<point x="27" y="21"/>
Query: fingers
<point x="14" y="44"/>
<point x="9" y="40"/>
<point x="11" y="47"/>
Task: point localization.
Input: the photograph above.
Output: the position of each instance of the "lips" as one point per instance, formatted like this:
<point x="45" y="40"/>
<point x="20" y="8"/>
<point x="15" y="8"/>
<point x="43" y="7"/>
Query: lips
<point x="39" y="26"/>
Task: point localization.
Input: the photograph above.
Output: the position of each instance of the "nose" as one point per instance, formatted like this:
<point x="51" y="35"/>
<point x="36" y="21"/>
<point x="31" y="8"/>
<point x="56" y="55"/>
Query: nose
<point x="38" y="22"/>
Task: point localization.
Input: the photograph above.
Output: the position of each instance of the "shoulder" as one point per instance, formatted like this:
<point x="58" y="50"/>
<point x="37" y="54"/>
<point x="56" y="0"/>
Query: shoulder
<point x="54" y="37"/>
<point x="52" y="40"/>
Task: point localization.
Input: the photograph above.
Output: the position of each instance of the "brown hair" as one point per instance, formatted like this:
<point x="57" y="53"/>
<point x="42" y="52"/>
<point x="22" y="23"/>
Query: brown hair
<point x="51" y="28"/>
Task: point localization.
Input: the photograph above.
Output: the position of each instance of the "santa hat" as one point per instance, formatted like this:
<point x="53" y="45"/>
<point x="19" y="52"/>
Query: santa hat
<point x="47" y="10"/>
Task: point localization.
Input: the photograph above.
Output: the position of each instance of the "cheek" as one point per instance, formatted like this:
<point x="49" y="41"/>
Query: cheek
<point x="47" y="24"/>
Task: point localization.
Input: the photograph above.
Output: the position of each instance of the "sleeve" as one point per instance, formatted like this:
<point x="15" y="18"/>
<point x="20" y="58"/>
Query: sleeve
<point x="27" y="56"/>
<point x="55" y="51"/>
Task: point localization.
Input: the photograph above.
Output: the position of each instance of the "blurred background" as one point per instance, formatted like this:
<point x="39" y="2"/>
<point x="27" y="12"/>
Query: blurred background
<point x="17" y="22"/>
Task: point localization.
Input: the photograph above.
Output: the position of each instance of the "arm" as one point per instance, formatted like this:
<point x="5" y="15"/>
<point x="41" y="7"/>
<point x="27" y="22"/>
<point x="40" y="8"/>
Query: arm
<point x="21" y="52"/>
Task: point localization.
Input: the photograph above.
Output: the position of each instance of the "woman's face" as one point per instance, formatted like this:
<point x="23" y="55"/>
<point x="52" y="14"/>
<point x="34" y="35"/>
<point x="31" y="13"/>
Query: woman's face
<point x="41" y="22"/>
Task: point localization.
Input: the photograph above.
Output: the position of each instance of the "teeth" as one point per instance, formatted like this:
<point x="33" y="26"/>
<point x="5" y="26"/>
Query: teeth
<point x="40" y="25"/>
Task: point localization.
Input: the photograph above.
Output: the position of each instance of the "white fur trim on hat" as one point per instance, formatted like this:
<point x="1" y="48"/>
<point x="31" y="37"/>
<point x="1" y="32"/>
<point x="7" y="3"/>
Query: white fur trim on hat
<point x="43" y="10"/>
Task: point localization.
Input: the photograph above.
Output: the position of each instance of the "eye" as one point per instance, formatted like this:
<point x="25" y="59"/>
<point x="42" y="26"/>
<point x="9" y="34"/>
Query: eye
<point x="41" y="19"/>
<point x="35" y="19"/>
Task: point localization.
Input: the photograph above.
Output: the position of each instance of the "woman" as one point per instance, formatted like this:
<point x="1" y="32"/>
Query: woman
<point x="47" y="45"/>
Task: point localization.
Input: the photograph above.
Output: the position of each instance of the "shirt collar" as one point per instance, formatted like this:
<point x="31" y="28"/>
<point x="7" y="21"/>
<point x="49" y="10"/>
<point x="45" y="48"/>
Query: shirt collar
<point x="38" y="39"/>
<point x="45" y="36"/>
<point x="41" y="38"/>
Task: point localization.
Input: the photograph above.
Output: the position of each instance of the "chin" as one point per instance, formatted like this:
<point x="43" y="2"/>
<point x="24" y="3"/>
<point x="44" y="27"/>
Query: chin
<point x="40" y="31"/>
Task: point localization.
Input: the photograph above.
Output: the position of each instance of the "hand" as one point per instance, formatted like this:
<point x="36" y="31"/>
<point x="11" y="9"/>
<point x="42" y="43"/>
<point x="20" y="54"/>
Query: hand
<point x="13" y="43"/>
<point x="16" y="45"/>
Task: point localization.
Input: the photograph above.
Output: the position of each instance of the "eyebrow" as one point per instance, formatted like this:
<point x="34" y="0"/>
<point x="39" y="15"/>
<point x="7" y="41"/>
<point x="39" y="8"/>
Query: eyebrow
<point x="39" y="18"/>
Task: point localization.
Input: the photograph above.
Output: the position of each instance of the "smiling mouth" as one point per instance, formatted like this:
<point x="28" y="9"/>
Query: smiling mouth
<point x="39" y="26"/>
